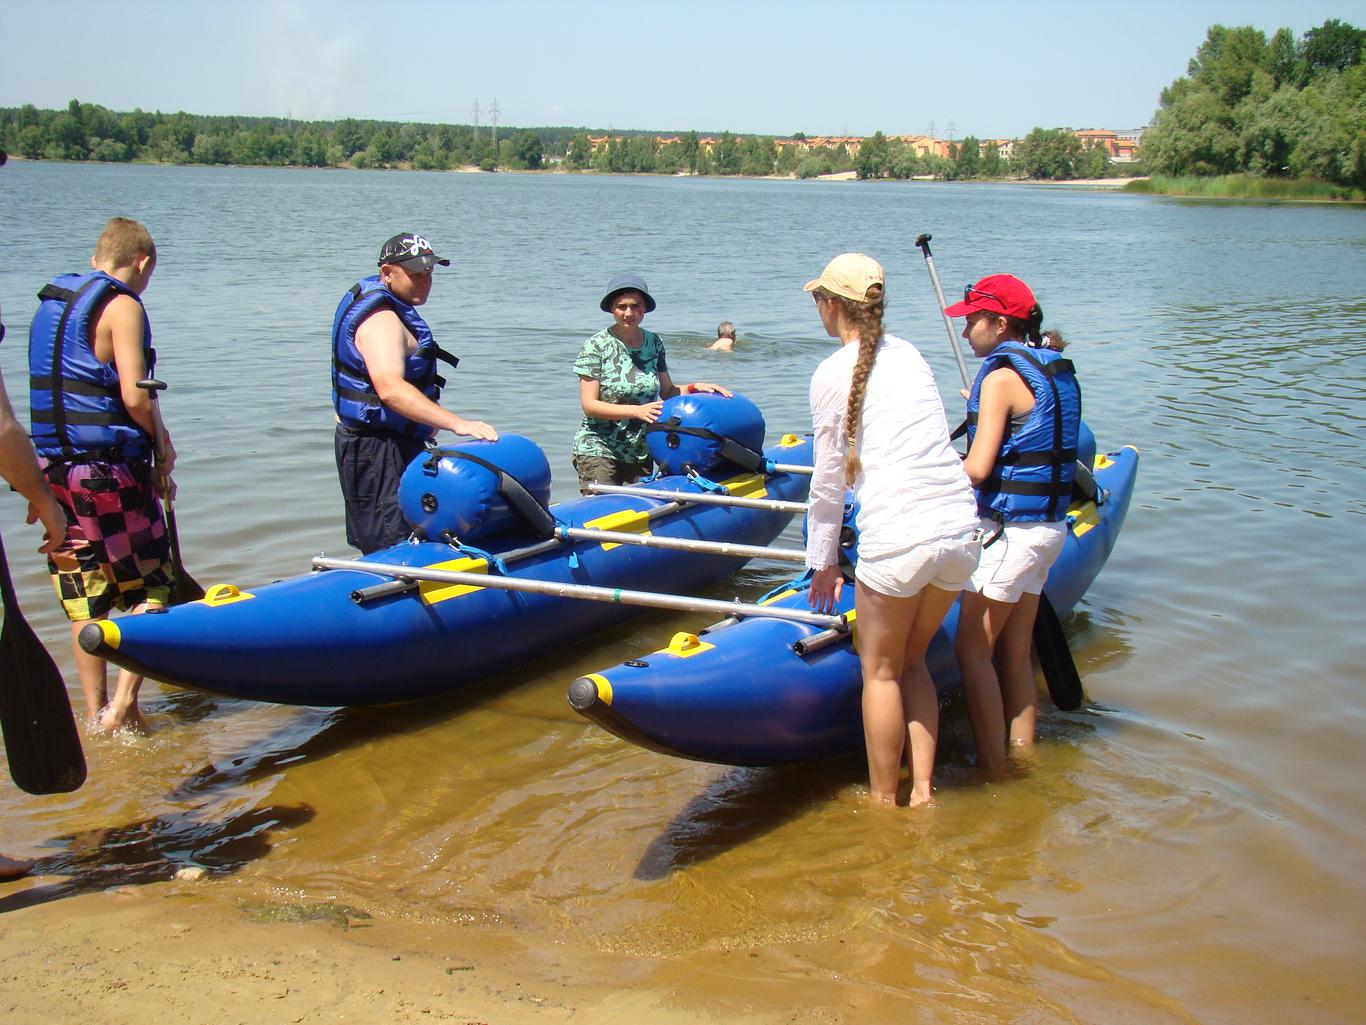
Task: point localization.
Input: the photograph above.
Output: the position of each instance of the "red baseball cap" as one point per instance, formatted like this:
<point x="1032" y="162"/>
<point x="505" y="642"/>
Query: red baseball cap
<point x="996" y="293"/>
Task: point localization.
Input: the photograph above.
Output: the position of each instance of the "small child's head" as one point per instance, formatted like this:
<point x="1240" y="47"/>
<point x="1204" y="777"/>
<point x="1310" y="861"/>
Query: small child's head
<point x="725" y="329"/>
<point x="126" y="245"/>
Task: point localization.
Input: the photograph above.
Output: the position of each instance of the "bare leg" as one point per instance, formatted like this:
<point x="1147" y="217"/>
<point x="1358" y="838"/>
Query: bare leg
<point x="883" y="624"/>
<point x="122" y="713"/>
<point x="981" y="621"/>
<point x="90" y="671"/>
<point x="1020" y="692"/>
<point x="918" y="695"/>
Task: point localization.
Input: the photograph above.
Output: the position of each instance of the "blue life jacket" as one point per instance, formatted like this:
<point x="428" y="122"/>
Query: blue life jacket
<point x="353" y="393"/>
<point x="1032" y="478"/>
<point x="75" y="405"/>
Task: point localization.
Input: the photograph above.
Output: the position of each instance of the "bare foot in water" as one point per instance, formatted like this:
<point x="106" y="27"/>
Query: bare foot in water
<point x="112" y="721"/>
<point x="922" y="800"/>
<point x="14" y="868"/>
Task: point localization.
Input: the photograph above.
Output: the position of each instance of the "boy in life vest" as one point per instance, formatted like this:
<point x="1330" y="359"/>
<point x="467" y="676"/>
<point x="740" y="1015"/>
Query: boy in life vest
<point x="95" y="432"/>
<point x="385" y="389"/>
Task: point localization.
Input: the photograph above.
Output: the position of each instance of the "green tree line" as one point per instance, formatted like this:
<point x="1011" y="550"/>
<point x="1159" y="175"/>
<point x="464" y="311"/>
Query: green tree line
<point x="1277" y="107"/>
<point x="87" y="131"/>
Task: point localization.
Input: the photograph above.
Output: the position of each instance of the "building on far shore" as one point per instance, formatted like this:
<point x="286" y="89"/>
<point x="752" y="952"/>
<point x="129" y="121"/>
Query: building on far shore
<point x="1122" y="146"/>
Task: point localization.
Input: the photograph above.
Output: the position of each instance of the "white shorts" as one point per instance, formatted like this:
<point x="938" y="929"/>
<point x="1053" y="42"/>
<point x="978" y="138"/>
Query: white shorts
<point x="1017" y="562"/>
<point x="946" y="562"/>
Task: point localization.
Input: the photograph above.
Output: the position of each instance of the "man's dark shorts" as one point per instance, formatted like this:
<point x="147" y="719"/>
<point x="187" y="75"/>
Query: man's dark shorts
<point x="369" y="465"/>
<point x="605" y="470"/>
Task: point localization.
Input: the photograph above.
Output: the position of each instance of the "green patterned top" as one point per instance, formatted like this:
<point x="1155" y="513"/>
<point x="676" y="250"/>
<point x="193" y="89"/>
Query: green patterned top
<point x="624" y="376"/>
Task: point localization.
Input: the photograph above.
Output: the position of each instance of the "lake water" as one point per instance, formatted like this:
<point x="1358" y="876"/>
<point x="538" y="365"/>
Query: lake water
<point x="1188" y="848"/>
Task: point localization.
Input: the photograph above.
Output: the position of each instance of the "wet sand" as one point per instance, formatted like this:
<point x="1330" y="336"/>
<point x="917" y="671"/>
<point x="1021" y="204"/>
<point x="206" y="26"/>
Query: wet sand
<point x="154" y="956"/>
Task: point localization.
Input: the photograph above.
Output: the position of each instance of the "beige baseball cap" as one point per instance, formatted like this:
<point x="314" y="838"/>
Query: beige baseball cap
<point x="850" y="275"/>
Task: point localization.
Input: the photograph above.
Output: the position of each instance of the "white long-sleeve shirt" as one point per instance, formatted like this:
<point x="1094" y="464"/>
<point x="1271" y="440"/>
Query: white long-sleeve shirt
<point x="911" y="487"/>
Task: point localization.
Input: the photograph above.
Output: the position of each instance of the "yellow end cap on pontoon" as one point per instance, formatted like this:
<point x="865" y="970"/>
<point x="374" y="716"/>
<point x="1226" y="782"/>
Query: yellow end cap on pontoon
<point x="110" y="631"/>
<point x="685" y="645"/>
<point x="604" y="687"/>
<point x="224" y="594"/>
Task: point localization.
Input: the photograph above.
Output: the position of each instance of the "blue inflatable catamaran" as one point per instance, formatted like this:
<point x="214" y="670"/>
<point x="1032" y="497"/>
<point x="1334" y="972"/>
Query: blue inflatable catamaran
<point x="763" y="690"/>
<point x="493" y="575"/>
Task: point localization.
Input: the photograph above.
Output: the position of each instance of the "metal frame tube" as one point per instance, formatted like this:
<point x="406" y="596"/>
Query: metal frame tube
<point x="586" y="592"/>
<point x="701" y="498"/>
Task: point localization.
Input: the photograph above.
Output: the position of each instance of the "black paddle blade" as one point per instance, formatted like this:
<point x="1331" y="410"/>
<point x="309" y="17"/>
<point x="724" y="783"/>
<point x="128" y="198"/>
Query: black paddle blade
<point x="42" y="741"/>
<point x="1055" y="658"/>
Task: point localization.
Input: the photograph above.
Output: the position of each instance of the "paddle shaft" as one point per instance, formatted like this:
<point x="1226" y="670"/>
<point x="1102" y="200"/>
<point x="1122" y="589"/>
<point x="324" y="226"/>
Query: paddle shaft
<point x="586" y="592"/>
<point x="923" y="243"/>
<point x="186" y="587"/>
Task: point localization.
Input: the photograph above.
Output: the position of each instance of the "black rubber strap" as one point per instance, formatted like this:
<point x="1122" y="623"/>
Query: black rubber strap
<point x="742" y="456"/>
<point x="518" y="498"/>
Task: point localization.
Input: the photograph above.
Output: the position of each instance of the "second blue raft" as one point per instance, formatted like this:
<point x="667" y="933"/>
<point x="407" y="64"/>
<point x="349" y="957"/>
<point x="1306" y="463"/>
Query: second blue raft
<point x="743" y="694"/>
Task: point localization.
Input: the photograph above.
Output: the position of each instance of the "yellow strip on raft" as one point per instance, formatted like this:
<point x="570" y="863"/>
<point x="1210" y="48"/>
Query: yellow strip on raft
<point x="433" y="591"/>
<point x="1085" y="515"/>
<point x="604" y="687"/>
<point x="747" y="485"/>
<point x="625" y="521"/>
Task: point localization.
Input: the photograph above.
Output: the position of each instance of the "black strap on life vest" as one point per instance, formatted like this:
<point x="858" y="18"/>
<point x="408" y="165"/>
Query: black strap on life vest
<point x="368" y="396"/>
<point x="57" y="384"/>
<point x="742" y="456"/>
<point x="514" y="492"/>
<point x="1057" y="457"/>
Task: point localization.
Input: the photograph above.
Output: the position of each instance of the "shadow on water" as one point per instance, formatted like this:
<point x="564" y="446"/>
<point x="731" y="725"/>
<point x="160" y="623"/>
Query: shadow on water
<point x="741" y="805"/>
<point x="337" y="730"/>
<point x="155" y="850"/>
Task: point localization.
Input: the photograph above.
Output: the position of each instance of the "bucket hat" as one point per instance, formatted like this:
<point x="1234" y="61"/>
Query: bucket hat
<point x="626" y="283"/>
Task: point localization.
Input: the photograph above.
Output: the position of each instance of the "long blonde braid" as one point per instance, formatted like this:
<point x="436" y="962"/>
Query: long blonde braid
<point x="866" y="318"/>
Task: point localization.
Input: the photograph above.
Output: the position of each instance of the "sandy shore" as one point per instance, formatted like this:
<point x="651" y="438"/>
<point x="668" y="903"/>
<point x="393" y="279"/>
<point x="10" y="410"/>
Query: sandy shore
<point x="155" y="955"/>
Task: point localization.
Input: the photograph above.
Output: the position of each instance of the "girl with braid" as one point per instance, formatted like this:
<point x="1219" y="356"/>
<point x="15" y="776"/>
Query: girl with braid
<point x="880" y="429"/>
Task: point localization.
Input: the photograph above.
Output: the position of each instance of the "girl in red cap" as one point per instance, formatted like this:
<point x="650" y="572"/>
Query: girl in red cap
<point x="880" y="428"/>
<point x="1024" y="414"/>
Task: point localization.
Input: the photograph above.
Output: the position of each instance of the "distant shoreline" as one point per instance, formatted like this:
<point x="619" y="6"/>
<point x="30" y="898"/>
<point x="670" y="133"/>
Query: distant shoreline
<point x="1098" y="183"/>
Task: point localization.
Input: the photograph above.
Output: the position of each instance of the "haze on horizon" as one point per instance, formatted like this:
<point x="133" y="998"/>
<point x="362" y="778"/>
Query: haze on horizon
<point x="994" y="69"/>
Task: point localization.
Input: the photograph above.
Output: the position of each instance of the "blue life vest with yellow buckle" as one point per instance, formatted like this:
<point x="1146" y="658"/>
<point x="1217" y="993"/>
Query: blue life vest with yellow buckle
<point x="353" y="393"/>
<point x="1032" y="478"/>
<point x="75" y="403"/>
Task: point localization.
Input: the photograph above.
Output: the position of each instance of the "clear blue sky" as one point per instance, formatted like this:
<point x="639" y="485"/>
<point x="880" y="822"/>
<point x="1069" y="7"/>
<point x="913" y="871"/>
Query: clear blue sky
<point x="991" y="68"/>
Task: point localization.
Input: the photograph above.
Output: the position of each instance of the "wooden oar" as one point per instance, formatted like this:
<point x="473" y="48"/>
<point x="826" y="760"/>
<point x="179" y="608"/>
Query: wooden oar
<point x="186" y="587"/>
<point x="1055" y="658"/>
<point x="41" y="739"/>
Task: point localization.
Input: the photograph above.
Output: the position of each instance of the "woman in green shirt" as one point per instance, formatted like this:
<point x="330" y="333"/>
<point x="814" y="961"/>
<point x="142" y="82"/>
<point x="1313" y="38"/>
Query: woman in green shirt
<point x="623" y="382"/>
